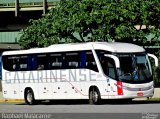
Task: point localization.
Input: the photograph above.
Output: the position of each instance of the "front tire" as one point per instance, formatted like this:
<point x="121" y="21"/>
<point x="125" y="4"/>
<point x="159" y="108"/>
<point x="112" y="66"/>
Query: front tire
<point x="94" y="96"/>
<point x="29" y="97"/>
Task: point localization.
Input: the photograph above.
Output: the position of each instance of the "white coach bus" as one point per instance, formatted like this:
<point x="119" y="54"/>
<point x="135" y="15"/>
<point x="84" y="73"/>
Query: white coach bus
<point x="94" y="71"/>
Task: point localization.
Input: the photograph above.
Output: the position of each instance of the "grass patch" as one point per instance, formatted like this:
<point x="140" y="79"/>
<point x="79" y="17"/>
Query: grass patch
<point x="154" y="99"/>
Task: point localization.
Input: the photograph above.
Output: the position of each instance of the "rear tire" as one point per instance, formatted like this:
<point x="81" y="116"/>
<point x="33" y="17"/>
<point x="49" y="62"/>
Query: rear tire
<point x="29" y="97"/>
<point x="94" y="96"/>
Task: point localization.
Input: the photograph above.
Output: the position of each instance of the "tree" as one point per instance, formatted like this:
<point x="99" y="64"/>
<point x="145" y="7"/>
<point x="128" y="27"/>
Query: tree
<point x="96" y="20"/>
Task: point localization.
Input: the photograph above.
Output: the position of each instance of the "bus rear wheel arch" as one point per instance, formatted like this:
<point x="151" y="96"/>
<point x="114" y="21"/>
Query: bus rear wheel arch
<point x="29" y="96"/>
<point x="94" y="95"/>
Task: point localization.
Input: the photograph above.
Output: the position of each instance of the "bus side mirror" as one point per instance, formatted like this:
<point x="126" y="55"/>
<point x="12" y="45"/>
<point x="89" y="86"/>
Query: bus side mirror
<point x="115" y="58"/>
<point x="155" y="59"/>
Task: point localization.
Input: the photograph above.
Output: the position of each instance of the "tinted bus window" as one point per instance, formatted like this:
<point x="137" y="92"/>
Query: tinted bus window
<point x="90" y="61"/>
<point x="23" y="66"/>
<point x="56" y="61"/>
<point x="67" y="60"/>
<point x="15" y="63"/>
<point x="72" y="60"/>
<point x="42" y="62"/>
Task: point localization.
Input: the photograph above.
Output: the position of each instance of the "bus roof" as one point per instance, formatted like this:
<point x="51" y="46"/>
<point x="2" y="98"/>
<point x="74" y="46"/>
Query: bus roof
<point x="114" y="47"/>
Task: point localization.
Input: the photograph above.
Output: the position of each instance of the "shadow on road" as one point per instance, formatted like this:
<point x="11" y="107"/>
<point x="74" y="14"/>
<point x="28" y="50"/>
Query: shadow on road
<point x="129" y="102"/>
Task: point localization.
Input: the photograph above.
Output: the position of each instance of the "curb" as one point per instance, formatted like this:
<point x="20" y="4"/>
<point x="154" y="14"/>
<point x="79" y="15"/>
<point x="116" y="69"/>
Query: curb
<point x="12" y="101"/>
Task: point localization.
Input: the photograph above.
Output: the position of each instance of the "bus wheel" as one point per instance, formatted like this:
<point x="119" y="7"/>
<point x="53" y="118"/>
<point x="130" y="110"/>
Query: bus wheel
<point x="94" y="96"/>
<point x="29" y="97"/>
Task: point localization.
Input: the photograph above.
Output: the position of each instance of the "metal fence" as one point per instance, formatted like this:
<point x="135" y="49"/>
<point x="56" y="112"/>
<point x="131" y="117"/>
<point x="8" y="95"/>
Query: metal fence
<point x="27" y="5"/>
<point x="25" y="1"/>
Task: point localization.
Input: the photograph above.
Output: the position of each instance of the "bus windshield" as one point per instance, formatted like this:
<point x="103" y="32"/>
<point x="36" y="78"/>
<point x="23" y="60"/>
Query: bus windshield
<point x="134" y="68"/>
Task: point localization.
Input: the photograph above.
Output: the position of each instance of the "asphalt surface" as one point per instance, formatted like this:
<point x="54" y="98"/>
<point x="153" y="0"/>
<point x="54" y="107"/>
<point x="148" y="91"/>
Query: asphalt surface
<point x="137" y="109"/>
<point x="82" y="107"/>
<point x="82" y="110"/>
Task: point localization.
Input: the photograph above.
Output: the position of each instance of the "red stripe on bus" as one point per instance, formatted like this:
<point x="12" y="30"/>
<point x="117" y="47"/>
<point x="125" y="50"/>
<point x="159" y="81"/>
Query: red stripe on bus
<point x="119" y="88"/>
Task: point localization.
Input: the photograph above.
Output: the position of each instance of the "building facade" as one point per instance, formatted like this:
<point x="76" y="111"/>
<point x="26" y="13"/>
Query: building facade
<point x="15" y="16"/>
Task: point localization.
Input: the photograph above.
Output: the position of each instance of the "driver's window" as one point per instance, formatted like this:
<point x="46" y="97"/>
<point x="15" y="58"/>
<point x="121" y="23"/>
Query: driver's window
<point x="108" y="67"/>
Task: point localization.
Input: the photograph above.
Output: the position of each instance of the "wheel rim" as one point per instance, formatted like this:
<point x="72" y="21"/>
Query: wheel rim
<point x="29" y="96"/>
<point x="95" y="96"/>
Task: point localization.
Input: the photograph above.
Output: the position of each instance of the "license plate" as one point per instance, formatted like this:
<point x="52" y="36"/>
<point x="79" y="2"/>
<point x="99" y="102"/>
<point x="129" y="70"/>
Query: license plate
<point x="140" y="94"/>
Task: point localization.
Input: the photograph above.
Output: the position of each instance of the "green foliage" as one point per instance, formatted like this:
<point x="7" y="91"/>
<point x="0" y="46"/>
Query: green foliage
<point x="95" y="20"/>
<point x="156" y="72"/>
<point x="157" y="76"/>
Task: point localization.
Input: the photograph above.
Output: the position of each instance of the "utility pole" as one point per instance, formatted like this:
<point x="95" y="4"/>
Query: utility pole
<point x="45" y="6"/>
<point x="16" y="7"/>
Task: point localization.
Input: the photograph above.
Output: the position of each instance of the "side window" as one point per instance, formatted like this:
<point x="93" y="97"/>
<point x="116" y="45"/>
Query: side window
<point x="23" y="63"/>
<point x="87" y="60"/>
<point x="107" y="64"/>
<point x="37" y="62"/>
<point x="100" y="53"/>
<point x="108" y="67"/>
<point x="90" y="61"/>
<point x="72" y="60"/>
<point x="15" y="63"/>
<point x="42" y="62"/>
<point x="56" y="61"/>
<point x="7" y="63"/>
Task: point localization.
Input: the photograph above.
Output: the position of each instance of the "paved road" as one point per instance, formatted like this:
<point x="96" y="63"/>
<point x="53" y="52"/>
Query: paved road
<point x="72" y="110"/>
<point x="78" y="107"/>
